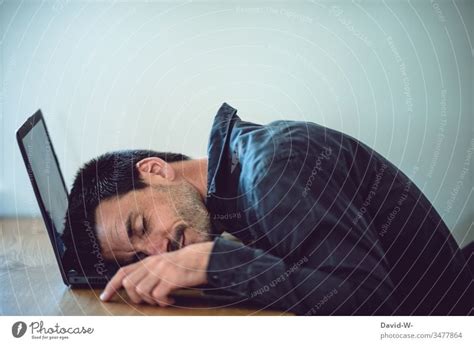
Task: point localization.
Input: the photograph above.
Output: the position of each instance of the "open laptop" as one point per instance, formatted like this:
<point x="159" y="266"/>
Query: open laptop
<point x="51" y="193"/>
<point x="48" y="184"/>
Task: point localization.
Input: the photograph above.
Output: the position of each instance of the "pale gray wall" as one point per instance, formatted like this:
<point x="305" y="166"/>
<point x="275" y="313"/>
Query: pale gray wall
<point x="397" y="75"/>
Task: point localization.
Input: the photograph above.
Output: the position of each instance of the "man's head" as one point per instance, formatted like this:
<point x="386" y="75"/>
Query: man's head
<point x="133" y="204"/>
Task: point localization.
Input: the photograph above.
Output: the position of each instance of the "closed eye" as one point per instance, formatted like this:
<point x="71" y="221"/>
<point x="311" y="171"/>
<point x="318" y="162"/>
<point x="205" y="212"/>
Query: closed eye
<point x="144" y="226"/>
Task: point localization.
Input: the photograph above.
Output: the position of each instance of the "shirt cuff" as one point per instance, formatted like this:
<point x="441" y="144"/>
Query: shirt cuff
<point x="229" y="266"/>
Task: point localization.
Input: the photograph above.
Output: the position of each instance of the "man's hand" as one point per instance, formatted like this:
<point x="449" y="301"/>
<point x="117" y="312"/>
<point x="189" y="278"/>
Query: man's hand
<point x="152" y="279"/>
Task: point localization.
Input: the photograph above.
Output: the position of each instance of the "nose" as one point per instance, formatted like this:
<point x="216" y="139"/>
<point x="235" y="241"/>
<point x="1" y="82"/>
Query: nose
<point x="154" y="246"/>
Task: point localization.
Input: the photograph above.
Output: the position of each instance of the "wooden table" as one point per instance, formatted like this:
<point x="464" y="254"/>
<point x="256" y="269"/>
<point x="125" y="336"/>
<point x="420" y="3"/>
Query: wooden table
<point x="30" y="283"/>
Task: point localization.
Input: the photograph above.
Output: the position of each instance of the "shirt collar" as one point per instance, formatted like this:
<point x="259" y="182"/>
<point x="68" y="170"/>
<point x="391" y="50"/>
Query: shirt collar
<point x="218" y="141"/>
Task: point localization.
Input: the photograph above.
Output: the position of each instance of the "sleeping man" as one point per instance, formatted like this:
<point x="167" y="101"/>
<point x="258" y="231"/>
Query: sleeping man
<point x="326" y="225"/>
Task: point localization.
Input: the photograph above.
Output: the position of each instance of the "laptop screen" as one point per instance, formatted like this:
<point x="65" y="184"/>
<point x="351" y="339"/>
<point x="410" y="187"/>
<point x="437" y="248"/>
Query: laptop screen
<point x="47" y="175"/>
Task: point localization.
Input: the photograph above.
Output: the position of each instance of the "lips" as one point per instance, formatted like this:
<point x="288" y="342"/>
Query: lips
<point x="178" y="241"/>
<point x="182" y="239"/>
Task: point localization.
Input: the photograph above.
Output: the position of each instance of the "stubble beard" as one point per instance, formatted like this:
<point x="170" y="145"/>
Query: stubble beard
<point x="189" y="206"/>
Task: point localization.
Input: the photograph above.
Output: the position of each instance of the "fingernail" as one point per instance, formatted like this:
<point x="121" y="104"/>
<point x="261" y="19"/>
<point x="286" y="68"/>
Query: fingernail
<point x="102" y="296"/>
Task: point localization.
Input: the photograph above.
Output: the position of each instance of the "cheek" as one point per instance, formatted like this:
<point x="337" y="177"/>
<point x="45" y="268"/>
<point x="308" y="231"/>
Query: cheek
<point x="195" y="236"/>
<point x="163" y="214"/>
<point x="158" y="228"/>
<point x="155" y="236"/>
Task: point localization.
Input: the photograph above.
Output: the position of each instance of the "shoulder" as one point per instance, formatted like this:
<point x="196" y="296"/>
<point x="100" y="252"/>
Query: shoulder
<point x="258" y="149"/>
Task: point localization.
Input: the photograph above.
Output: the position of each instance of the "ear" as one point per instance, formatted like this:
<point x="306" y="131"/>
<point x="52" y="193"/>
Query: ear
<point x="154" y="166"/>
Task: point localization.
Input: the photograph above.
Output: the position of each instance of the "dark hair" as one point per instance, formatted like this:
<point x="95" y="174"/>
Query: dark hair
<point x="112" y="174"/>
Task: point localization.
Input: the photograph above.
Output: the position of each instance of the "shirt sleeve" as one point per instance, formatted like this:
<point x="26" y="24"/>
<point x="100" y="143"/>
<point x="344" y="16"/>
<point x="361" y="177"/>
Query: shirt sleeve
<point x="271" y="283"/>
<point x="322" y="257"/>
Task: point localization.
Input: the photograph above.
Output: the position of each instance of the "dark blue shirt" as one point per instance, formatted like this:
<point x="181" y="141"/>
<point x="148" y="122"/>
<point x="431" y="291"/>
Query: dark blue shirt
<point x="328" y="225"/>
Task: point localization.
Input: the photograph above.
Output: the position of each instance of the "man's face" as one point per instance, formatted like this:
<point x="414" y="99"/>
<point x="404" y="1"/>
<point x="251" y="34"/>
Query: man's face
<point x="150" y="221"/>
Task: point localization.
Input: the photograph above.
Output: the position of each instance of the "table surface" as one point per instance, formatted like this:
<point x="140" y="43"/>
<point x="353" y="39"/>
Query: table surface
<point x="30" y="283"/>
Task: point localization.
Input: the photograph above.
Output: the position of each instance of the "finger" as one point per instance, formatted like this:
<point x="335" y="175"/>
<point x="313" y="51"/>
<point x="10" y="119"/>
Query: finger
<point x="165" y="302"/>
<point x="131" y="281"/>
<point x="149" y="300"/>
<point x="146" y="286"/>
<point x="114" y="284"/>
<point x="161" y="294"/>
